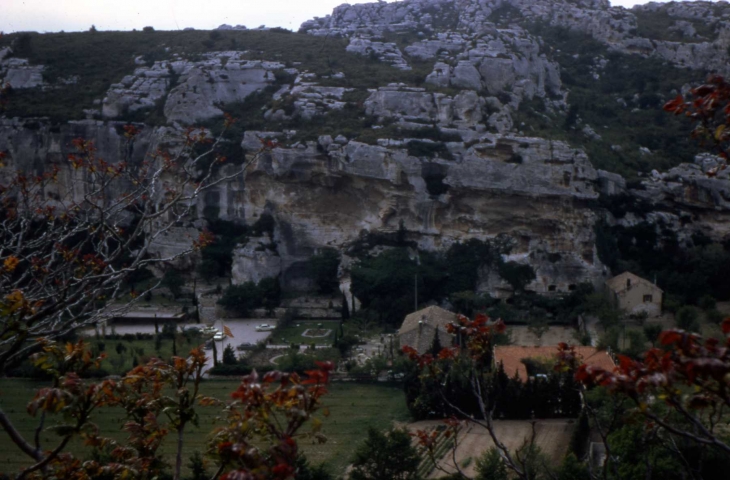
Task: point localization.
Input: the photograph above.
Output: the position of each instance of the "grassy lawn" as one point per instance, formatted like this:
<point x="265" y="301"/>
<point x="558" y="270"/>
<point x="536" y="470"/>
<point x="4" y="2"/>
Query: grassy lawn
<point x="293" y="333"/>
<point x="353" y="408"/>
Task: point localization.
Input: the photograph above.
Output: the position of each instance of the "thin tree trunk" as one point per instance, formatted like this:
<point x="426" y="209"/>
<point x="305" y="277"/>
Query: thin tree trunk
<point x="178" y="457"/>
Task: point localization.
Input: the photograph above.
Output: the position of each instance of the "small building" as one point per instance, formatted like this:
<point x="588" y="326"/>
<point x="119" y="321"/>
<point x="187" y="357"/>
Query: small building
<point x="634" y="294"/>
<point x="419" y="328"/>
<point x="511" y="357"/>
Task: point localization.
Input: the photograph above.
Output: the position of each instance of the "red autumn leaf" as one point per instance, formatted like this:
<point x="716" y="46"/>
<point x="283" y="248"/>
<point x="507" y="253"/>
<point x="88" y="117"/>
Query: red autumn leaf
<point x="726" y="326"/>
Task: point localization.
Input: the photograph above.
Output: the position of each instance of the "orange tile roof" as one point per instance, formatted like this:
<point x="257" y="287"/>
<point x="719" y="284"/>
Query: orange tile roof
<point x="511" y="357"/>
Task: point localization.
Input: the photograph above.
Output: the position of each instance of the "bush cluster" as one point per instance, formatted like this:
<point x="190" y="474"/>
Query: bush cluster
<point x="386" y="283"/>
<point x="242" y="299"/>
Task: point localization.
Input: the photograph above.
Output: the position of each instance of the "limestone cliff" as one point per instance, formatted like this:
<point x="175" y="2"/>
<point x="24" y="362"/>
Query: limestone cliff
<point x="472" y="132"/>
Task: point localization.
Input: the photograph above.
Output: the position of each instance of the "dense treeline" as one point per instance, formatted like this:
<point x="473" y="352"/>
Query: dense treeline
<point x="546" y="395"/>
<point x="687" y="271"/>
<point x="391" y="283"/>
<point x="217" y="257"/>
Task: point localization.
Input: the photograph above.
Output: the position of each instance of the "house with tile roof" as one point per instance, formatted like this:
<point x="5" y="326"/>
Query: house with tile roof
<point x="419" y="328"/>
<point x="634" y="294"/>
<point x="512" y="356"/>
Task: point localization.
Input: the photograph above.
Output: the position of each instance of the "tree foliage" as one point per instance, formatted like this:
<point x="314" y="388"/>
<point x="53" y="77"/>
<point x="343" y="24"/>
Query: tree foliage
<point x="68" y="249"/>
<point x="517" y="275"/>
<point x="174" y="281"/>
<point x="242" y="299"/>
<point x="386" y="456"/>
<point x="323" y="269"/>
<point x="708" y="106"/>
<point x="491" y="467"/>
<point x="387" y="283"/>
<point x="265" y="416"/>
<point x="690" y="375"/>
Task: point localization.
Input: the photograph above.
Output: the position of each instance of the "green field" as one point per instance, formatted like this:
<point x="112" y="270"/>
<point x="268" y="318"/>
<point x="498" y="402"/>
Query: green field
<point x="353" y="408"/>
<point x="293" y="333"/>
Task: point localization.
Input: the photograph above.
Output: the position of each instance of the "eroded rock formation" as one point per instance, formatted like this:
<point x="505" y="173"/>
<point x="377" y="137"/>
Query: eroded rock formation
<point x="446" y="160"/>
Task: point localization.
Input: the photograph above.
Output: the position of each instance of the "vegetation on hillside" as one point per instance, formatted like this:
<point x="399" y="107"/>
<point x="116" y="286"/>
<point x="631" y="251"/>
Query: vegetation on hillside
<point x="620" y="100"/>
<point x="386" y="284"/>
<point x="99" y="59"/>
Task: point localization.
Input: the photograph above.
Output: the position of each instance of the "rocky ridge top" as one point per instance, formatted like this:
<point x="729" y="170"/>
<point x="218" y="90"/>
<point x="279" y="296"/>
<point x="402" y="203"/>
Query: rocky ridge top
<point x="617" y="27"/>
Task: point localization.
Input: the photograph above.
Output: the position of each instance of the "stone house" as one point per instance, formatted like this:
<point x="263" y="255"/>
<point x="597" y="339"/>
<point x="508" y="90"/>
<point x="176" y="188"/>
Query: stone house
<point x="634" y="294"/>
<point x="419" y="328"/>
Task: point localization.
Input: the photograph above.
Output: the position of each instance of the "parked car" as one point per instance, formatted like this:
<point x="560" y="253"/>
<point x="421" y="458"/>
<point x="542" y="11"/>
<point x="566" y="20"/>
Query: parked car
<point x="210" y="330"/>
<point x="395" y="376"/>
<point x="218" y="337"/>
<point x="264" y="327"/>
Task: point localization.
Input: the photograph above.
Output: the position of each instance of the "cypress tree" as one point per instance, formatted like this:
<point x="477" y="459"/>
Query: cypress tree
<point x="436" y="343"/>
<point x="345" y="311"/>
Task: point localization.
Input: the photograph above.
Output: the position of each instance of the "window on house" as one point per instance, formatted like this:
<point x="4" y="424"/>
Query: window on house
<point x="572" y="287"/>
<point x="628" y="284"/>
<point x="648" y="298"/>
<point x="552" y="288"/>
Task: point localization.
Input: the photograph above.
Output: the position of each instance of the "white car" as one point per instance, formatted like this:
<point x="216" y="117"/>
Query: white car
<point x="264" y="327"/>
<point x="218" y="337"/>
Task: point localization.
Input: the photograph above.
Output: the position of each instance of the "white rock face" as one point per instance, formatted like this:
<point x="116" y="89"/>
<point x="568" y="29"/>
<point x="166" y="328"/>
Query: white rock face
<point x="308" y="100"/>
<point x="143" y="89"/>
<point x="501" y="185"/>
<point x="503" y="59"/>
<point x="614" y="26"/>
<point x="18" y="72"/>
<point x="254" y="262"/>
<point x="386" y="52"/>
<point x="222" y="77"/>
<point x="465" y="109"/>
<point x="327" y="192"/>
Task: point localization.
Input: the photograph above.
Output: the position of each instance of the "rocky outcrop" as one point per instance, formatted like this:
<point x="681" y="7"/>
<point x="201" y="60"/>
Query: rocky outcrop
<point x="386" y="52"/>
<point x="500" y="60"/>
<point x="255" y="261"/>
<point x="447" y="157"/>
<point x="143" y="89"/>
<point x="307" y="100"/>
<point x="403" y="103"/>
<point x="18" y="72"/>
<point x="527" y="188"/>
<point x="327" y="192"/>
<point x="689" y="186"/>
<point x="37" y="146"/>
<point x="614" y="26"/>
<point x="197" y="88"/>
<point x="222" y="78"/>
